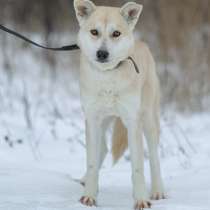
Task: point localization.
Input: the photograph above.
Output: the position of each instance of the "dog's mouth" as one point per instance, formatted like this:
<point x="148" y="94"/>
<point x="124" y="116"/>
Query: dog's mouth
<point x="106" y="65"/>
<point x="102" y="61"/>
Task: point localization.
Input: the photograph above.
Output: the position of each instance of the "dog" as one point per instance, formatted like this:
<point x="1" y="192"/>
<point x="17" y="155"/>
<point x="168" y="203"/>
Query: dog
<point x="111" y="90"/>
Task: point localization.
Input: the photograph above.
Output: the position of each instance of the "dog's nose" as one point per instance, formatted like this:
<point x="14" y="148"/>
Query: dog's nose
<point x="102" y="55"/>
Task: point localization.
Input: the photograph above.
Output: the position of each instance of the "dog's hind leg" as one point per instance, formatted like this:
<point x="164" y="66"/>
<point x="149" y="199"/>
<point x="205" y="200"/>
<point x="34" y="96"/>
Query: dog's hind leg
<point x="151" y="131"/>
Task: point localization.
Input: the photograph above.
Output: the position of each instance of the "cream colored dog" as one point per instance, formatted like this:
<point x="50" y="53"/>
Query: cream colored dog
<point x="112" y="89"/>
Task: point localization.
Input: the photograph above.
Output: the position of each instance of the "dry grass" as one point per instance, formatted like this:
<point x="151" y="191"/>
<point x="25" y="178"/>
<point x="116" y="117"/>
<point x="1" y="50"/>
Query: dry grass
<point x="177" y="32"/>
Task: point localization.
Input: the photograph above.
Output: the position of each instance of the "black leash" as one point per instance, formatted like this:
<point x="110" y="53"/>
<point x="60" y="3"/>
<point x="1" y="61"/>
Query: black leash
<point x="63" y="48"/>
<point x="135" y="65"/>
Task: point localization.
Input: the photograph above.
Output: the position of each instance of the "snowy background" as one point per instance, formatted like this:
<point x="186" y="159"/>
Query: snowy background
<point x="42" y="149"/>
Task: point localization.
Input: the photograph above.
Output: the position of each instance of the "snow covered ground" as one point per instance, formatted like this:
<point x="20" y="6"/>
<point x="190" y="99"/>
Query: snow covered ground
<point x="42" y="147"/>
<point x="46" y="181"/>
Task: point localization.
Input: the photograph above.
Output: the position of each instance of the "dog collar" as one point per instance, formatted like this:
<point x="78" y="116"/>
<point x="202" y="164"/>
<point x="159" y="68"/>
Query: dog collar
<point x="135" y="65"/>
<point x="133" y="62"/>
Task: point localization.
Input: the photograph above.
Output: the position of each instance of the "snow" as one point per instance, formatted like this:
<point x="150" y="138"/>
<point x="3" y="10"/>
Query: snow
<point x="41" y="109"/>
<point x="49" y="182"/>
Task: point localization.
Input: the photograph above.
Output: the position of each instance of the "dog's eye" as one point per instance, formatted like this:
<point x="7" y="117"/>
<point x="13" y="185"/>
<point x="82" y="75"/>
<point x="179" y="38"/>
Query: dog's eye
<point x="116" y="34"/>
<point x="94" y="32"/>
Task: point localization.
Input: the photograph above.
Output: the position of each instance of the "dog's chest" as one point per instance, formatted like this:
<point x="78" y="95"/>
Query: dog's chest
<point x="111" y="92"/>
<point x="108" y="94"/>
<point x="110" y="97"/>
<point x="102" y="93"/>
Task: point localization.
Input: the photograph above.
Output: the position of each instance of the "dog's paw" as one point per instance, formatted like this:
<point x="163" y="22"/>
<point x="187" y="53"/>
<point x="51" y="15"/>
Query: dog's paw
<point x="158" y="196"/>
<point x="140" y="205"/>
<point x="87" y="201"/>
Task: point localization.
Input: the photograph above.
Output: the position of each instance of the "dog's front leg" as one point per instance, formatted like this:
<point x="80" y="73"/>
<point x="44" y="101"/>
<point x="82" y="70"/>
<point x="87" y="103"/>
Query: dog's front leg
<point x="135" y="141"/>
<point x="93" y="135"/>
<point x="103" y="149"/>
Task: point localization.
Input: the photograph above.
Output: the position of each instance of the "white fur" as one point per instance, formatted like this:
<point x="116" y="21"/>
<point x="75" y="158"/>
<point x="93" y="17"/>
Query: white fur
<point x="110" y="91"/>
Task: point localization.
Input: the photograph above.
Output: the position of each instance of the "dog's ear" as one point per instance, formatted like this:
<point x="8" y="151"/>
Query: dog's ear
<point x="131" y="12"/>
<point x="83" y="9"/>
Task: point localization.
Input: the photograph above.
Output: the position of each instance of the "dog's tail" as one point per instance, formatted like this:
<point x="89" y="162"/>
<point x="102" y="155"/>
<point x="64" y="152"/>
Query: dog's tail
<point x="119" y="140"/>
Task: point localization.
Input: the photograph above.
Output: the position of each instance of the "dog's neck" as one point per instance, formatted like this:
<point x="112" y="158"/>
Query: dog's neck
<point x="117" y="66"/>
<point x="128" y="59"/>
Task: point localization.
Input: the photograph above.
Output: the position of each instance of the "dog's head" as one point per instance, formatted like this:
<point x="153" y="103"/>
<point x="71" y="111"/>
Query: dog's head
<point x="106" y="33"/>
